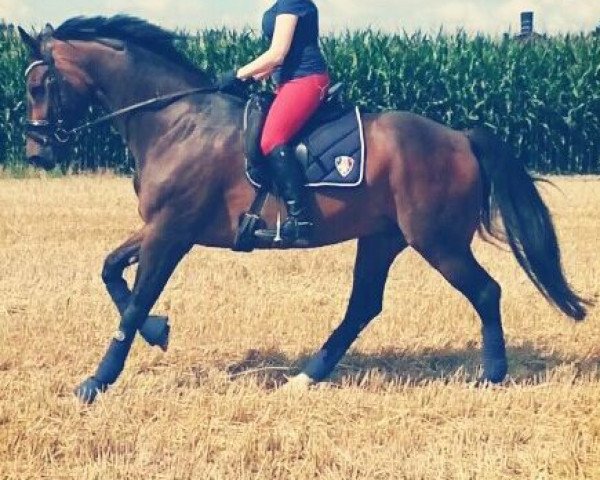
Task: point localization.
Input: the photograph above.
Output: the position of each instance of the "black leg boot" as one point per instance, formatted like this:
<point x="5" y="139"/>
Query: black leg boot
<point x="289" y="179"/>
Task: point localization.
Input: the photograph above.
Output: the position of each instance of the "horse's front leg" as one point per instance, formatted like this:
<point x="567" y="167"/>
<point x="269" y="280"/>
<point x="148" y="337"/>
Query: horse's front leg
<point x="155" y="329"/>
<point x="159" y="253"/>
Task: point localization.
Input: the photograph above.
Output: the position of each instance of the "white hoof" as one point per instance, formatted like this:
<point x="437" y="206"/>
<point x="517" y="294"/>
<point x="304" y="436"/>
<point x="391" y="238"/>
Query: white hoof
<point x="299" y="382"/>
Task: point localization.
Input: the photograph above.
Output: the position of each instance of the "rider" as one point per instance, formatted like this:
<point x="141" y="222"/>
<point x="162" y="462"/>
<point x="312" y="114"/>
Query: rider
<point x="298" y="68"/>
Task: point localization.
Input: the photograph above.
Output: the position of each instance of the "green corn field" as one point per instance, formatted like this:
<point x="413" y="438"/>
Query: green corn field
<point x="541" y="96"/>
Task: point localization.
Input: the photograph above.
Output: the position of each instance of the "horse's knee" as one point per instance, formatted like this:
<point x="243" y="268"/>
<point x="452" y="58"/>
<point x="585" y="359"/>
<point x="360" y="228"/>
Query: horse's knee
<point x="109" y="271"/>
<point x="113" y="267"/>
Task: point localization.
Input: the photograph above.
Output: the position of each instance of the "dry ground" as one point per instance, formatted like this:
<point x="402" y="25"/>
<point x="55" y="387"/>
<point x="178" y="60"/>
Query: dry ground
<point x="402" y="404"/>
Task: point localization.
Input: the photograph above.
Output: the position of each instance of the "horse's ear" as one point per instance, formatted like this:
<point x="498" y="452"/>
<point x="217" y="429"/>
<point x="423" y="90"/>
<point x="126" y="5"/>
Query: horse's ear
<point x="48" y="30"/>
<point x="32" y="43"/>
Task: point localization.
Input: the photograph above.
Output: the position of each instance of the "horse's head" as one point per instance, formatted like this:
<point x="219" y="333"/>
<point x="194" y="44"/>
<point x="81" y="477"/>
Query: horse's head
<point x="56" y="92"/>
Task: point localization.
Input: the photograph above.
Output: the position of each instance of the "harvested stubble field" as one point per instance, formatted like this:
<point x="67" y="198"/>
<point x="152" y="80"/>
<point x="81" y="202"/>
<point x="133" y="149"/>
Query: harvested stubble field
<point x="402" y="405"/>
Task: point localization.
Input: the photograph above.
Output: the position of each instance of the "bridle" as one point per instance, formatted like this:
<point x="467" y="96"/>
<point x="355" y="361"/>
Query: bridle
<point x="52" y="131"/>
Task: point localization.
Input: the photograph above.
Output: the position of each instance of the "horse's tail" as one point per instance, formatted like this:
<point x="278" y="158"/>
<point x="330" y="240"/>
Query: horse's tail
<point x="510" y="191"/>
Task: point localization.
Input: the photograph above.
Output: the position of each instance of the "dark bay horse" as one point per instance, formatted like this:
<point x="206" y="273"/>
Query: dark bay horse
<point x="426" y="186"/>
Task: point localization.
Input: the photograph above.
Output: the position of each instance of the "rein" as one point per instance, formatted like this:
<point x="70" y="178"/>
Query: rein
<point x="158" y="102"/>
<point x="43" y="131"/>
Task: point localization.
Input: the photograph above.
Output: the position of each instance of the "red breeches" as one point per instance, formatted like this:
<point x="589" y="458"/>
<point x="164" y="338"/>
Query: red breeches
<point x="296" y="101"/>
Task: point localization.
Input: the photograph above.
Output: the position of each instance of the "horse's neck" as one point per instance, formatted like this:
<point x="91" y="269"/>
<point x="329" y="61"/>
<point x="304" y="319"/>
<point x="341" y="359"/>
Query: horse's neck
<point x="141" y="77"/>
<point x="121" y="82"/>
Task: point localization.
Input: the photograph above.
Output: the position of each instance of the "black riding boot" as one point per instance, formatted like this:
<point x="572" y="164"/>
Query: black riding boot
<point x="289" y="179"/>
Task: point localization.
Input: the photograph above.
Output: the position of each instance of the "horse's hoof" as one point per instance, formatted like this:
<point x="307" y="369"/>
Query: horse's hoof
<point x="298" y="383"/>
<point x="89" y="390"/>
<point x="495" y="370"/>
<point x="155" y="331"/>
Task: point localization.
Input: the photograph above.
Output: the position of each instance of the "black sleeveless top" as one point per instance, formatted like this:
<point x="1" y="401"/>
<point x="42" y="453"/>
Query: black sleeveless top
<point x="305" y="56"/>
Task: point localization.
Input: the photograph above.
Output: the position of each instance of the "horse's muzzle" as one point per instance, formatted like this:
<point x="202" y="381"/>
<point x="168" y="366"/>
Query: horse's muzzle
<point x="42" y="159"/>
<point x="39" y="151"/>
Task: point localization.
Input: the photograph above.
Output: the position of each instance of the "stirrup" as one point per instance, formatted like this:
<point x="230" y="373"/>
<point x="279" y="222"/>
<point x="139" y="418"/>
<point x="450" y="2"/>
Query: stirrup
<point x="294" y="237"/>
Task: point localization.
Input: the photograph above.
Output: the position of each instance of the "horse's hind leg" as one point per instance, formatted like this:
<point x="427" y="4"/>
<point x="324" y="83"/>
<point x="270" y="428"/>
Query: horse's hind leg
<point x="159" y="254"/>
<point x="465" y="274"/>
<point x="155" y="330"/>
<point x="375" y="255"/>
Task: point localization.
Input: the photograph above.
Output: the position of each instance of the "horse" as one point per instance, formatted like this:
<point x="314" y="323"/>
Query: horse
<point x="425" y="186"/>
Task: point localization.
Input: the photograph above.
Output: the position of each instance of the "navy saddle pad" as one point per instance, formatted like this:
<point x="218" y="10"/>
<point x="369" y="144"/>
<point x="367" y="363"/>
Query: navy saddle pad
<point x="332" y="151"/>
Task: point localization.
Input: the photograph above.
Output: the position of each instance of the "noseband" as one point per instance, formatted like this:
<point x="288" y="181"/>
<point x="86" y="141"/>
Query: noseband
<point x="52" y="131"/>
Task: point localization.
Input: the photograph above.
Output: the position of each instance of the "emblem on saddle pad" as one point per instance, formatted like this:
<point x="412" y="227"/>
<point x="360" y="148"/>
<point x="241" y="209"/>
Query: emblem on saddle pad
<point x="344" y="165"/>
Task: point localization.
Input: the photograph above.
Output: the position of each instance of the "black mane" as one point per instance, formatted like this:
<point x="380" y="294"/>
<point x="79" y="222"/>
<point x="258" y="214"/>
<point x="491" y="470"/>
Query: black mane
<point x="128" y="29"/>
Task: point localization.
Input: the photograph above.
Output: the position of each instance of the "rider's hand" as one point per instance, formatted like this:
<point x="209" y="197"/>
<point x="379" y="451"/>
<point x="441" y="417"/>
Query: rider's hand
<point x="263" y="76"/>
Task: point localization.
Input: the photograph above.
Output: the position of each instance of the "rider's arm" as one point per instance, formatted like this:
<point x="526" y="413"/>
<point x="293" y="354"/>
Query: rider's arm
<point x="285" y="26"/>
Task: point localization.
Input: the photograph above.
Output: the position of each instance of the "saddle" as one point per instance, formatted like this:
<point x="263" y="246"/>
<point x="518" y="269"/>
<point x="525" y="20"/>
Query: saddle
<point x="330" y="148"/>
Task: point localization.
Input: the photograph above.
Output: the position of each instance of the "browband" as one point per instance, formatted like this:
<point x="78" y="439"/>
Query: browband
<point x="33" y="65"/>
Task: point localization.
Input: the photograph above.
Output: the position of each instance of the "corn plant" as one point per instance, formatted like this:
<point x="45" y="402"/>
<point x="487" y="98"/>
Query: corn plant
<point x="543" y="97"/>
